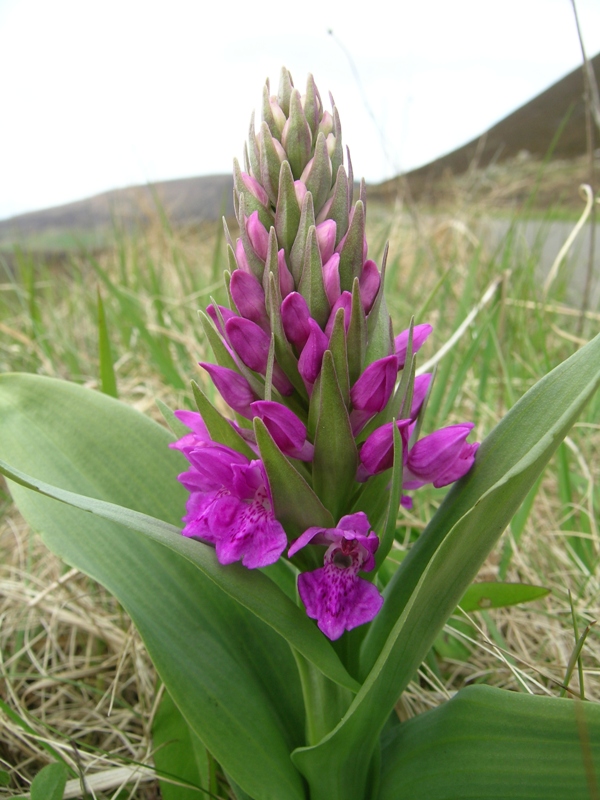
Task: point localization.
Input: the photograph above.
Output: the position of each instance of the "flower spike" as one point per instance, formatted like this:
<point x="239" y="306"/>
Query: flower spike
<point x="306" y="353"/>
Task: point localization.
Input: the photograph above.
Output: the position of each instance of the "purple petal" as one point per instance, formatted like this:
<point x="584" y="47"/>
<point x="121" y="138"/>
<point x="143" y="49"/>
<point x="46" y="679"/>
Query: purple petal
<point x="258" y="235"/>
<point x="193" y="420"/>
<point x="420" y="334"/>
<point x="344" y="301"/>
<point x="210" y="515"/>
<point x="309" y="363"/>
<point x="252" y="345"/>
<point x="369" y="282"/>
<point x="375" y="386"/>
<point x="331" y="279"/>
<point x="232" y="387"/>
<point x="377" y="453"/>
<point x="256" y="538"/>
<point x="338" y="599"/>
<point x="357" y="523"/>
<point x="326" y="239"/>
<point x="459" y="467"/>
<point x="300" y="189"/>
<point x="212" y="466"/>
<point x="288" y="432"/>
<point x="255" y="188"/>
<point x="250" y="342"/>
<point x="435" y="456"/>
<point x="295" y="316"/>
<point x="306" y="538"/>
<point x="249" y="298"/>
<point x="226" y="313"/>
<point x="420" y="390"/>
<point x="241" y="257"/>
<point x="199" y="435"/>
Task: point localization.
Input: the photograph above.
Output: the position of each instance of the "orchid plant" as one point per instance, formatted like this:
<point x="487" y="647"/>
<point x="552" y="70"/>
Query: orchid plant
<point x="282" y="643"/>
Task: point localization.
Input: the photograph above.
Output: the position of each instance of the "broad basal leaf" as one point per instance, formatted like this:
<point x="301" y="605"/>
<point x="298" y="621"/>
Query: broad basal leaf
<point x="230" y="674"/>
<point x="490" y="744"/>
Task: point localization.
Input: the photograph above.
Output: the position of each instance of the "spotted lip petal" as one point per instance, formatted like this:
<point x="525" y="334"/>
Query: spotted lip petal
<point x="334" y="594"/>
<point x="338" y="600"/>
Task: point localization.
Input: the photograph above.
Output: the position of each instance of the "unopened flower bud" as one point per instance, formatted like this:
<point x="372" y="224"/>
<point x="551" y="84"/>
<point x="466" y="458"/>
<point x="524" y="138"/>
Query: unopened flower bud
<point x="311" y="358"/>
<point x="295" y="316"/>
<point x="249" y="298"/>
<point x="232" y="387"/>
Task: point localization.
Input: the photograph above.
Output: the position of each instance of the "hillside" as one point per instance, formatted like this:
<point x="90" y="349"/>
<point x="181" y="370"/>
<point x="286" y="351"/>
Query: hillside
<point x="185" y="200"/>
<point x="552" y="123"/>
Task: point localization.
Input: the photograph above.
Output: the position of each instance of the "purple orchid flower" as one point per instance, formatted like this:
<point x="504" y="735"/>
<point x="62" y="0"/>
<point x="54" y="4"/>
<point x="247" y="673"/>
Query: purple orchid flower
<point x="230" y="505"/>
<point x="334" y="595"/>
<point x="440" y="458"/>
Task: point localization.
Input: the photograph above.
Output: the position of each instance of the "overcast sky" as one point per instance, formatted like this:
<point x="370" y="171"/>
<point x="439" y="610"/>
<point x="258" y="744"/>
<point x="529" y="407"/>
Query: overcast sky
<point x="98" y="94"/>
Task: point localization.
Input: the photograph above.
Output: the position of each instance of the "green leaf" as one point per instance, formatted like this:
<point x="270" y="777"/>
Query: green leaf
<point x="176" y="427"/>
<point x="229" y="673"/>
<point x="431" y="580"/>
<point x="307" y="219"/>
<point x="485" y="595"/>
<point x="287" y="215"/>
<point x="50" y="782"/>
<point x="351" y="256"/>
<point x="487" y="744"/>
<point x="336" y="457"/>
<point x="108" y="382"/>
<point x="251" y="589"/>
<point x="337" y="345"/>
<point x="379" y="326"/>
<point x="297" y="507"/>
<point x="178" y="754"/>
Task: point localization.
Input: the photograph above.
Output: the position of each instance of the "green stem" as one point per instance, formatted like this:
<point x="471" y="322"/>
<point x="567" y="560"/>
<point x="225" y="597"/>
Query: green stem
<point x="325" y="702"/>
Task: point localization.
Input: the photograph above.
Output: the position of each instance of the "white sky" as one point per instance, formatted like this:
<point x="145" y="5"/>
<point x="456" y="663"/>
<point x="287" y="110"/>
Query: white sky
<point x="98" y="94"/>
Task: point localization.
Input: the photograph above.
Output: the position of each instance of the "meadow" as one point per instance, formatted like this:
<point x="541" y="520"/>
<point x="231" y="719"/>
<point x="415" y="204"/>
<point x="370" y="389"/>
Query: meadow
<point x="75" y="679"/>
